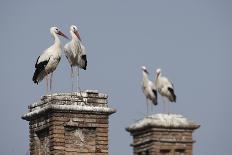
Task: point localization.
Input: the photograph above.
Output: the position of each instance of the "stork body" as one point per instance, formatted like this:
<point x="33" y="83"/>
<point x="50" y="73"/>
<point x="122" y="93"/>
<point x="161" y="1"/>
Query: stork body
<point x="48" y="61"/>
<point x="148" y="88"/>
<point x="75" y="52"/>
<point x="165" y="86"/>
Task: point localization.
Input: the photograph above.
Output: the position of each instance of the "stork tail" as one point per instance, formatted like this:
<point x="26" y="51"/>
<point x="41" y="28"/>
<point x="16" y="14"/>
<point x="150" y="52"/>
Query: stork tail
<point x="173" y="96"/>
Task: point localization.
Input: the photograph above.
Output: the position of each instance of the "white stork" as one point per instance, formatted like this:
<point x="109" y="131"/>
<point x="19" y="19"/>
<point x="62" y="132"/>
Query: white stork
<point x="164" y="86"/>
<point x="48" y="61"/>
<point x="148" y="88"/>
<point x="75" y="52"/>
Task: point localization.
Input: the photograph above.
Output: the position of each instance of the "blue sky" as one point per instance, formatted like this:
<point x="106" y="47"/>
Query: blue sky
<point x="189" y="40"/>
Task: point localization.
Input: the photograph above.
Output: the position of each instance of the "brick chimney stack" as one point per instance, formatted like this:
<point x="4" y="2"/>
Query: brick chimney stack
<point x="163" y="134"/>
<point x="69" y="124"/>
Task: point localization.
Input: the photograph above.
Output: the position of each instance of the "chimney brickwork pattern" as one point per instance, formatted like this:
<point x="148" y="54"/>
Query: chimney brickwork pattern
<point x="163" y="134"/>
<point x="69" y="124"/>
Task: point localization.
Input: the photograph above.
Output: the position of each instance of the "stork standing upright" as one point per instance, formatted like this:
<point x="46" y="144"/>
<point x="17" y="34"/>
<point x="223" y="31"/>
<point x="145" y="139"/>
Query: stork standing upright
<point x="48" y="61"/>
<point x="164" y="87"/>
<point x="75" y="53"/>
<point x="148" y="88"/>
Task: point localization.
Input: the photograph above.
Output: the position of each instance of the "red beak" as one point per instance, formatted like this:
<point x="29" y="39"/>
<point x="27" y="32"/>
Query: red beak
<point x="62" y="34"/>
<point x="78" y="35"/>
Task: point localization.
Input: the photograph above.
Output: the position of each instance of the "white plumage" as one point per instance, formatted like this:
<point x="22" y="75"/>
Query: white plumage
<point x="164" y="86"/>
<point x="75" y="51"/>
<point x="48" y="61"/>
<point x="148" y="87"/>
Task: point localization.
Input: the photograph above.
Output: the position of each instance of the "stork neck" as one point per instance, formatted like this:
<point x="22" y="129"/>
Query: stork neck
<point x="56" y="38"/>
<point x="74" y="37"/>
<point x="145" y="76"/>
<point x="158" y="75"/>
<point x="157" y="78"/>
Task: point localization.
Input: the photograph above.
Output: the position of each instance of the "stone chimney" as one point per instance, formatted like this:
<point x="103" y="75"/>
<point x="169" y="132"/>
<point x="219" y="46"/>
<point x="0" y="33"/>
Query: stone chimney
<point x="163" y="134"/>
<point x="69" y="124"/>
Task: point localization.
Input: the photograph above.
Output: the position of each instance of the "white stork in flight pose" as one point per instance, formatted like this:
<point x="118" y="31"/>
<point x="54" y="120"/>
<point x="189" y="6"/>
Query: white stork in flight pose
<point x="165" y="87"/>
<point x="48" y="61"/>
<point x="75" y="53"/>
<point x="148" y="88"/>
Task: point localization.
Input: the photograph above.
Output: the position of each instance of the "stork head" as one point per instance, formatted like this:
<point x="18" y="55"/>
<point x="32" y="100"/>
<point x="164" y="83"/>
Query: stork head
<point x="75" y="30"/>
<point x="145" y="69"/>
<point x="57" y="31"/>
<point x="158" y="71"/>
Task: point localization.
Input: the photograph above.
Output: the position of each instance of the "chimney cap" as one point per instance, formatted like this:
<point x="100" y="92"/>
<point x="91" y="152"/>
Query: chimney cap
<point x="174" y="121"/>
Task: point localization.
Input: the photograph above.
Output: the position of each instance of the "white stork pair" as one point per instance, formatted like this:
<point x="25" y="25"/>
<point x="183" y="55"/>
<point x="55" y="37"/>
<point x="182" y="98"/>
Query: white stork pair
<point x="48" y="61"/>
<point x="161" y="84"/>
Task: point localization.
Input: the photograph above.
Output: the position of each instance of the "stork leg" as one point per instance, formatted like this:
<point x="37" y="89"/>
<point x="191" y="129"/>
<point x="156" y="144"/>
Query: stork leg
<point x="168" y="107"/>
<point x="46" y="77"/>
<point x="152" y="108"/>
<point x="72" y="75"/>
<point x="78" y="76"/>
<point x="147" y="106"/>
<point x="164" y="104"/>
<point x="78" y="85"/>
<point x="51" y="82"/>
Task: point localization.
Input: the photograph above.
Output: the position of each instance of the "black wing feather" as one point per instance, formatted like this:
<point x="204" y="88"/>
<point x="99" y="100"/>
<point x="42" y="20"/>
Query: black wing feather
<point x="84" y="59"/>
<point x="39" y="68"/>
<point x="37" y="62"/>
<point x="155" y="93"/>
<point x="173" y="98"/>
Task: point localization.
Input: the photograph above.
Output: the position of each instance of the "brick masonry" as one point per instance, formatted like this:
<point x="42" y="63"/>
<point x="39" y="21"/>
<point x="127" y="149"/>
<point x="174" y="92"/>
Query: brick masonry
<point x="163" y="135"/>
<point x="69" y="124"/>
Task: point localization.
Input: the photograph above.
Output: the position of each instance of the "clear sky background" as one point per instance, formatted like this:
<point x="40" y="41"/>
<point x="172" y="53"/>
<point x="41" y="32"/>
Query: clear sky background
<point x="190" y="40"/>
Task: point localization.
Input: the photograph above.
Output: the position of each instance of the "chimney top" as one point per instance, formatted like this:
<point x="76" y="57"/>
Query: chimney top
<point x="163" y="121"/>
<point x="89" y="101"/>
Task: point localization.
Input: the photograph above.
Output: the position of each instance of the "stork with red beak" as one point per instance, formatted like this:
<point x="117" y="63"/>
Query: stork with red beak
<point x="48" y="61"/>
<point x="148" y="88"/>
<point x="164" y="86"/>
<point x="75" y="52"/>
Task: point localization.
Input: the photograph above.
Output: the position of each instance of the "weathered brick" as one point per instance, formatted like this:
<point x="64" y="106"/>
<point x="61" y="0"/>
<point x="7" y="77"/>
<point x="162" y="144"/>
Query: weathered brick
<point x="159" y="140"/>
<point x="69" y="132"/>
